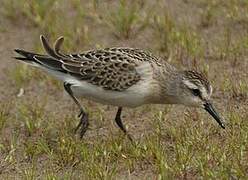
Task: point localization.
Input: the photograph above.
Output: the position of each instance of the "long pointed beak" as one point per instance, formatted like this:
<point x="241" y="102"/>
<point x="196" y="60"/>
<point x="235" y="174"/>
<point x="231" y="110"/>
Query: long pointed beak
<point x="210" y="109"/>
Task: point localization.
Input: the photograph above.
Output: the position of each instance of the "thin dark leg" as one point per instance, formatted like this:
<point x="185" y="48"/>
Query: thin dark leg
<point x="84" y="121"/>
<point x="119" y="123"/>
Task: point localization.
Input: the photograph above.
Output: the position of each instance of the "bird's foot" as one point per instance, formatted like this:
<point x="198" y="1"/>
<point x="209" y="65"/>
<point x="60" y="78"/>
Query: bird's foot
<point x="83" y="123"/>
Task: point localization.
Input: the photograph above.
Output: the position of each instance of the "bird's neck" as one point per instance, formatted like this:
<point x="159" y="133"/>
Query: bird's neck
<point x="168" y="83"/>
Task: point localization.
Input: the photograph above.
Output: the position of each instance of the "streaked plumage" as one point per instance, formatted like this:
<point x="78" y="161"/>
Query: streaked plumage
<point x="124" y="77"/>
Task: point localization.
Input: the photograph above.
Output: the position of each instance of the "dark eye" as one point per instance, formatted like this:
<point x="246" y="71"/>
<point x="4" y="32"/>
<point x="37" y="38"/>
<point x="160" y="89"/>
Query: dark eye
<point x="196" y="92"/>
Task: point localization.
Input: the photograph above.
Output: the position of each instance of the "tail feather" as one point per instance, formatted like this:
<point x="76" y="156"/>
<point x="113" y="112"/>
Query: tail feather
<point x="50" y="61"/>
<point x="47" y="47"/>
<point x="26" y="55"/>
<point x="40" y="60"/>
<point x="21" y="58"/>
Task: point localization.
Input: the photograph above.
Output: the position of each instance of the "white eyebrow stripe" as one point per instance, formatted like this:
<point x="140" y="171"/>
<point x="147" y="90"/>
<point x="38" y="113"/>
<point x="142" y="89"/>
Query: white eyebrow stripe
<point x="204" y="92"/>
<point x="211" y="90"/>
<point x="190" y="85"/>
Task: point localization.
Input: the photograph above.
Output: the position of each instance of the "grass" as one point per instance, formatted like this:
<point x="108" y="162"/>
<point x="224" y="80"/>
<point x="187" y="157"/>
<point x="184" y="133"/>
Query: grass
<point x="164" y="31"/>
<point x="171" y="142"/>
<point x="126" y="19"/>
<point x="178" y="41"/>
<point x="41" y="14"/>
<point x="171" y="152"/>
<point x="20" y="75"/>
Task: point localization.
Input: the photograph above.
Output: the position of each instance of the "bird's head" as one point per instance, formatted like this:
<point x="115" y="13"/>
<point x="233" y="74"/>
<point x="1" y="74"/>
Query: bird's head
<point x="196" y="91"/>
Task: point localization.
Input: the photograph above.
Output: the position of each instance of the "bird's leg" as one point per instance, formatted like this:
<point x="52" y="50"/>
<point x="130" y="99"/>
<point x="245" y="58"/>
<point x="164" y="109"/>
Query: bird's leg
<point x="84" y="121"/>
<point x="119" y="123"/>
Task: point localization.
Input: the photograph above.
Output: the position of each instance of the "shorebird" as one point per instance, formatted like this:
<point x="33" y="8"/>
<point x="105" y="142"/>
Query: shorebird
<point x="122" y="77"/>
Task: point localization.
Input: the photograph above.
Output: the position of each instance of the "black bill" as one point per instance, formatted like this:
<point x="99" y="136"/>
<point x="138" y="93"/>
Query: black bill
<point x="210" y="109"/>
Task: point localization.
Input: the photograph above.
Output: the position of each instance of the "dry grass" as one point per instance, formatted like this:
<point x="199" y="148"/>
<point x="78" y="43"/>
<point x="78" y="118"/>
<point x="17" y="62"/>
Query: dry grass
<point x="172" y="142"/>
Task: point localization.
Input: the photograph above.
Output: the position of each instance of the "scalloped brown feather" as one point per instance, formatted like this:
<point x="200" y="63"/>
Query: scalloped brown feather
<point x="111" y="68"/>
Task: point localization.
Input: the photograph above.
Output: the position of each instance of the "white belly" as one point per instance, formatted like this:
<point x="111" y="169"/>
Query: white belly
<point x="131" y="97"/>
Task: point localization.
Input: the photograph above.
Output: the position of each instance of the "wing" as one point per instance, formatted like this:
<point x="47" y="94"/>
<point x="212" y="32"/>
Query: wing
<point x="137" y="54"/>
<point x="111" y="71"/>
<point x="106" y="68"/>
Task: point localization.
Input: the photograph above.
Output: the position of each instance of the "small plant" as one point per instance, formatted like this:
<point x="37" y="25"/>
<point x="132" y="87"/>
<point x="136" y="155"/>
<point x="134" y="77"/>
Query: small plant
<point x="164" y="28"/>
<point x="123" y="21"/>
<point x="3" y="115"/>
<point x="239" y="90"/>
<point x="38" y="11"/>
<point x="66" y="153"/>
<point x="52" y="19"/>
<point x="21" y="75"/>
<point x="189" y="41"/>
<point x="11" y="9"/>
<point x="29" y="173"/>
<point x="207" y="17"/>
<point x="32" y="116"/>
<point x="179" y="41"/>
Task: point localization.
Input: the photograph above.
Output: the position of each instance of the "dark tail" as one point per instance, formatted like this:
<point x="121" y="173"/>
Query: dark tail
<point x="38" y="59"/>
<point x="50" y="61"/>
<point x="26" y="56"/>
